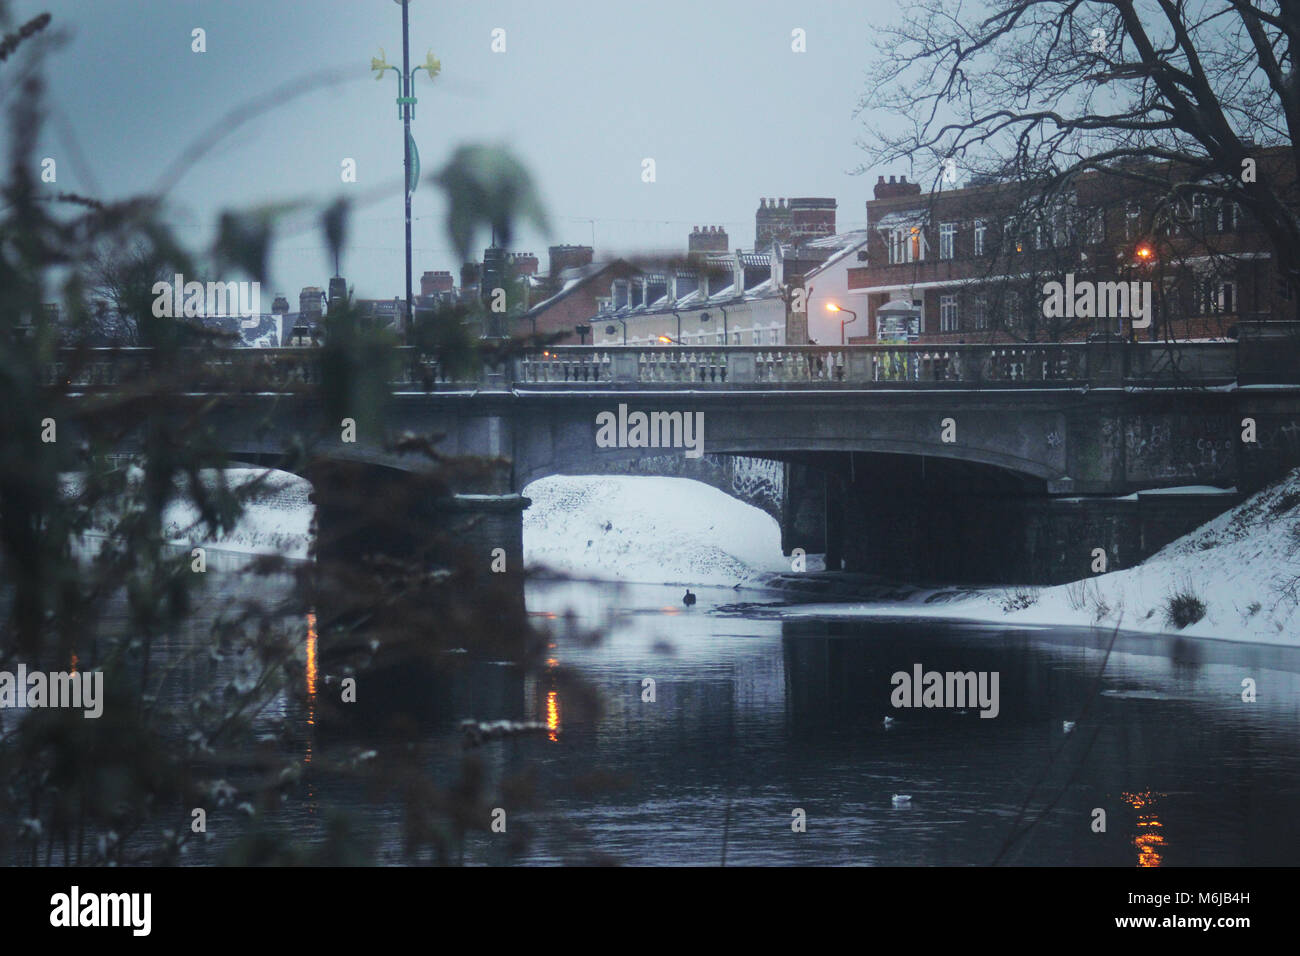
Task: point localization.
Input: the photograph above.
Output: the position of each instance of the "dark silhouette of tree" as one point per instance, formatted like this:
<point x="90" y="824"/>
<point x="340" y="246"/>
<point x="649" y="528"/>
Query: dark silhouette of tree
<point x="1043" y="90"/>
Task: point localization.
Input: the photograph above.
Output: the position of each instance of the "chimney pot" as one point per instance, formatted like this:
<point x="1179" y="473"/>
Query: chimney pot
<point x="880" y="180"/>
<point x="893" y="179"/>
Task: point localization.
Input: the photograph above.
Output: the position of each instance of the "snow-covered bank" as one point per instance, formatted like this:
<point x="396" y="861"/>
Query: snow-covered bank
<point x="1243" y="568"/>
<point x="1239" y="574"/>
<point x="653" y="530"/>
<point x="276" y="518"/>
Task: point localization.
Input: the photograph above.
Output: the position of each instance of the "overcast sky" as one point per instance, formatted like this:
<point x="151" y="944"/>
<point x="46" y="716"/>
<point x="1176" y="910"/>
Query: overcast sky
<point x="585" y="90"/>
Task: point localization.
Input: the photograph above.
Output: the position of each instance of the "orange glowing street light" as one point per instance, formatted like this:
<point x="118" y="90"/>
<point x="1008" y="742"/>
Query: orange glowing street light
<point x="1144" y="253"/>
<point x="832" y="307"/>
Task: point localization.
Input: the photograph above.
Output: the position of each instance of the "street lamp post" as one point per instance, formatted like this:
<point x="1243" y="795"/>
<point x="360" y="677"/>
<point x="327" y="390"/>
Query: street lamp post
<point x="406" y="102"/>
<point x="832" y="307"/>
<point x="1145" y="256"/>
<point x="406" y="152"/>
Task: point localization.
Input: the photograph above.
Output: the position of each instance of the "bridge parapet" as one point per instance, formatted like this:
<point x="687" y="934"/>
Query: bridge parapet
<point x="960" y="366"/>
<point x="871" y="366"/>
<point x="280" y="370"/>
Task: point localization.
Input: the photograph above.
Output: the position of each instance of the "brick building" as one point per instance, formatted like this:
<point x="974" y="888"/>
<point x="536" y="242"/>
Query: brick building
<point x="970" y="264"/>
<point x="798" y="221"/>
<point x="707" y="239"/>
<point x="575" y="295"/>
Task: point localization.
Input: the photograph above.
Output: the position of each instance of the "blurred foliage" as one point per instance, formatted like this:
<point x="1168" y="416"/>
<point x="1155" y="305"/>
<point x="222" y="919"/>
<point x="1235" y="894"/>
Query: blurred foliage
<point x="487" y="186"/>
<point x="390" y="593"/>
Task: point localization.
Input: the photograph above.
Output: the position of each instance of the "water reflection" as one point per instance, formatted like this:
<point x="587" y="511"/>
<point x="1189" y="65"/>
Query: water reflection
<point x="311" y="704"/>
<point x="311" y="676"/>
<point x="553" y="716"/>
<point x="1149" y="838"/>
<point x="755" y="716"/>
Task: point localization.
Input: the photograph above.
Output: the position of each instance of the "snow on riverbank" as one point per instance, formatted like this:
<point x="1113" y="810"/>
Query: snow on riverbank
<point x="276" y="518"/>
<point x="1243" y="567"/>
<point x="654" y="530"/>
<point x="1239" y="573"/>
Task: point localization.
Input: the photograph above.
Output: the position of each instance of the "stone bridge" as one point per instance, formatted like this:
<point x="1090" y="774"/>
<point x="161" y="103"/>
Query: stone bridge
<point x="992" y="463"/>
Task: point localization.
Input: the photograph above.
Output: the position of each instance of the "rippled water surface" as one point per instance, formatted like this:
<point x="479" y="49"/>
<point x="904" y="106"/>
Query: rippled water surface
<point x="755" y="718"/>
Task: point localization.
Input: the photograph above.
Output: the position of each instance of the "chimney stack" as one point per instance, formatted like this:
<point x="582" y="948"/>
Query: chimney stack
<point x="896" y="187"/>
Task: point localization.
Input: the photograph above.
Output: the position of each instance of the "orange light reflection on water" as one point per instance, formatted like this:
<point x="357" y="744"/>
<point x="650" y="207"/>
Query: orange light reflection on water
<point x="553" y="715"/>
<point x="311" y="677"/>
<point x="1149" y="840"/>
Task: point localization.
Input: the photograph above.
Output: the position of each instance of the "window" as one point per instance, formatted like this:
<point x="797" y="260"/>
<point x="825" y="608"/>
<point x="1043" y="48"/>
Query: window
<point x="897" y="246"/>
<point x="947" y="313"/>
<point x="906" y="244"/>
<point x="1132" y="218"/>
<point x="1011" y="318"/>
<point x="719" y="339"/>
<point x="1199" y="220"/>
<point x="979" y="308"/>
<point x="1094" y="226"/>
<point x="1172" y="218"/>
<point x="1062" y="226"/>
<point x="1214" y="297"/>
<point x="947" y="239"/>
<point x="735" y="338"/>
<point x="1228" y="212"/>
<point x="980" y="228"/>
<point x="1284" y="290"/>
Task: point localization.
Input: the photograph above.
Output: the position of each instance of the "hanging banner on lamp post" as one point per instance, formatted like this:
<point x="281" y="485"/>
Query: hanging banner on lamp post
<point x="413" y="175"/>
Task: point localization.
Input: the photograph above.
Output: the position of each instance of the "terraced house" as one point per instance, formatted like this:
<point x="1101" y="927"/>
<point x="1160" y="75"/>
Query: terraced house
<point x="720" y="296"/>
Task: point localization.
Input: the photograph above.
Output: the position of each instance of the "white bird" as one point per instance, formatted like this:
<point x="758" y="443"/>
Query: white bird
<point x="1067" y="725"/>
<point x="902" y="799"/>
<point x="888" y="721"/>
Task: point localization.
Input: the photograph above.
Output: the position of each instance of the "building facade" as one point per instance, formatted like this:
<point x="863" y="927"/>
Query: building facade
<point x="977" y="263"/>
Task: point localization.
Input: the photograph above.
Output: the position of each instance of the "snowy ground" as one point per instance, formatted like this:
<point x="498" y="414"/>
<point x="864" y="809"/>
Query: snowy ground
<point x="1243" y="566"/>
<point x="276" y="519"/>
<point x="652" y="530"/>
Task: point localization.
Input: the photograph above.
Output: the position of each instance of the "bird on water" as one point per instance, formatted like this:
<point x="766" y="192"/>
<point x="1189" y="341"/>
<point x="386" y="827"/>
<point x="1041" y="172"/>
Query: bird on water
<point x="688" y="598"/>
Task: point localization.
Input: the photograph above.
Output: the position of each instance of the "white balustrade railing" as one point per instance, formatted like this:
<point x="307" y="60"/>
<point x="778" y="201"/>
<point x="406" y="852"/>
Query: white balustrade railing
<point x="860" y="366"/>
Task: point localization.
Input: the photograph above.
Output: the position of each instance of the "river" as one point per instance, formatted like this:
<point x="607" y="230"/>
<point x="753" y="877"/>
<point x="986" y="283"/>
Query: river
<point x="754" y="719"/>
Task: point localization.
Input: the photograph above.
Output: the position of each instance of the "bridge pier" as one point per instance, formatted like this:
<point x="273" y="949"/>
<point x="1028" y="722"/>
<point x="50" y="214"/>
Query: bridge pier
<point x="937" y="521"/>
<point x="803" y="509"/>
<point x="370" y="517"/>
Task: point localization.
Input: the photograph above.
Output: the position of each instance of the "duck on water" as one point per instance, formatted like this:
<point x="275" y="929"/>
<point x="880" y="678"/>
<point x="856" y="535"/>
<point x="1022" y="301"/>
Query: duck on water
<point x="688" y="598"/>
